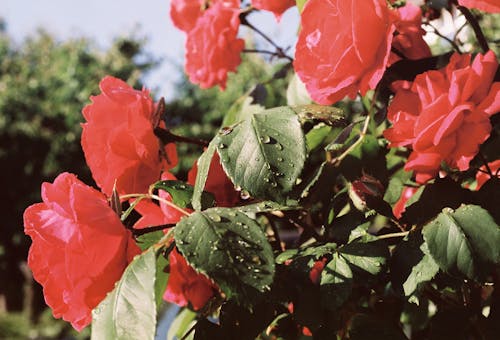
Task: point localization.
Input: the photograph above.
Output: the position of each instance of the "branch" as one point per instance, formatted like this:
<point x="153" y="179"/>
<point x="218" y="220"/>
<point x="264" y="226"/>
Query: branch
<point x="142" y="231"/>
<point x="168" y="137"/>
<point x="481" y="39"/>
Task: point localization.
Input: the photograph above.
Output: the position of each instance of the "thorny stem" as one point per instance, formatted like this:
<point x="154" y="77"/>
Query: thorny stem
<point x="481" y="39"/>
<point x="279" y="51"/>
<point x="168" y="137"/>
<point x="142" y="231"/>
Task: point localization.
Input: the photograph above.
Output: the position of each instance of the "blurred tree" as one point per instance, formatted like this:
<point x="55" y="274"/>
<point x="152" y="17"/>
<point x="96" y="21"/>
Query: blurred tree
<point x="44" y="84"/>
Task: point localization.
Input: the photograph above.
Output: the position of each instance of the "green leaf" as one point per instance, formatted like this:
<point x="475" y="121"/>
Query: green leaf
<point x="265" y="154"/>
<point x="228" y="247"/>
<point x="181" y="324"/>
<point x="423" y="271"/>
<point x="161" y="278"/>
<point x="147" y="240"/>
<point x="267" y="206"/>
<point x="332" y="116"/>
<point x="317" y="135"/>
<point x="129" y="311"/>
<point x="464" y="241"/>
<point x="202" y="174"/>
<point x="365" y="257"/>
<point x="336" y="282"/>
<point x="182" y="194"/>
<point x="296" y="93"/>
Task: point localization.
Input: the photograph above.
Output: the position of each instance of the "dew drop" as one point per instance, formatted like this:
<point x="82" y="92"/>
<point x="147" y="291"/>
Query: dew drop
<point x="226" y="130"/>
<point x="222" y="146"/>
<point x="279" y="159"/>
<point x="237" y="188"/>
<point x="279" y="146"/>
<point x="244" y="195"/>
<point x="265" y="139"/>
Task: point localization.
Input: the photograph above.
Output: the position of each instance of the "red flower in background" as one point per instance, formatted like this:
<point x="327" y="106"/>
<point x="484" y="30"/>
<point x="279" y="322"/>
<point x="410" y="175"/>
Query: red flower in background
<point x="444" y="115"/>
<point x="184" y="13"/>
<point x="217" y="183"/>
<point x="343" y="47"/>
<point x="400" y="205"/>
<point x="185" y="285"/>
<point x="118" y="139"/>
<point x="409" y="38"/>
<point x="212" y="46"/>
<point x="483" y="176"/>
<point x="278" y="7"/>
<point x="80" y="248"/>
<point x="491" y="6"/>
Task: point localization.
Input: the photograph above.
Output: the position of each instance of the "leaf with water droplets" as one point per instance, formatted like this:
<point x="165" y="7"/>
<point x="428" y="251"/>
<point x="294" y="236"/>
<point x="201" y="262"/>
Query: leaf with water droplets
<point x="264" y="154"/>
<point x="129" y="310"/>
<point x="202" y="174"/>
<point x="230" y="248"/>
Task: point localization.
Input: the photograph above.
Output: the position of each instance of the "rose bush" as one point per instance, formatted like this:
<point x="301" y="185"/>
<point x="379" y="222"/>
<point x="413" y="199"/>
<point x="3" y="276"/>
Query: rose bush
<point x="445" y="115"/>
<point x="79" y="247"/>
<point x="119" y="142"/>
<point x="343" y="47"/>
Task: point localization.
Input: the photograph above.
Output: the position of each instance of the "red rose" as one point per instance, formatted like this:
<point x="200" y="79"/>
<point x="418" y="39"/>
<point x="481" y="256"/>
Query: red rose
<point x="118" y="139"/>
<point x="154" y="214"/>
<point x="217" y="183"/>
<point x="278" y="7"/>
<point x="343" y="47"/>
<point x="184" y="13"/>
<point x="409" y="38"/>
<point x="316" y="270"/>
<point x="80" y="248"/>
<point x="185" y="285"/>
<point x="212" y="48"/>
<point x="483" y="176"/>
<point x="400" y="205"/>
<point x="491" y="6"/>
<point x="444" y="115"/>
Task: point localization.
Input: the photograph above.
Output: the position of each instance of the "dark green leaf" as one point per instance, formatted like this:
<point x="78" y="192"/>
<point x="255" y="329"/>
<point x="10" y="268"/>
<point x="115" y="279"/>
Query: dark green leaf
<point x="329" y="115"/>
<point x="316" y="136"/>
<point x="147" y="240"/>
<point x="365" y="257"/>
<point x="129" y="311"/>
<point x="374" y="327"/>
<point x="423" y="271"/>
<point x="336" y="282"/>
<point x="161" y="278"/>
<point x="266" y="206"/>
<point x="464" y="241"/>
<point x="228" y="247"/>
<point x="265" y="154"/>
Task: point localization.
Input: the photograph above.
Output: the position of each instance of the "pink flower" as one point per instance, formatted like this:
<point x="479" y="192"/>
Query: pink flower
<point x="444" y="115"/>
<point x="343" y="47"/>
<point x="80" y="248"/>
<point x="212" y="46"/>
<point x="409" y="37"/>
<point x="278" y="7"/>
<point x="184" y="13"/>
<point x="185" y="285"/>
<point x="491" y="6"/>
<point x="118" y="139"/>
<point x="400" y="205"/>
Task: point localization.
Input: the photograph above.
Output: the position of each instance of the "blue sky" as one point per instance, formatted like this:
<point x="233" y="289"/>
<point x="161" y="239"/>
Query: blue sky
<point x="102" y="20"/>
